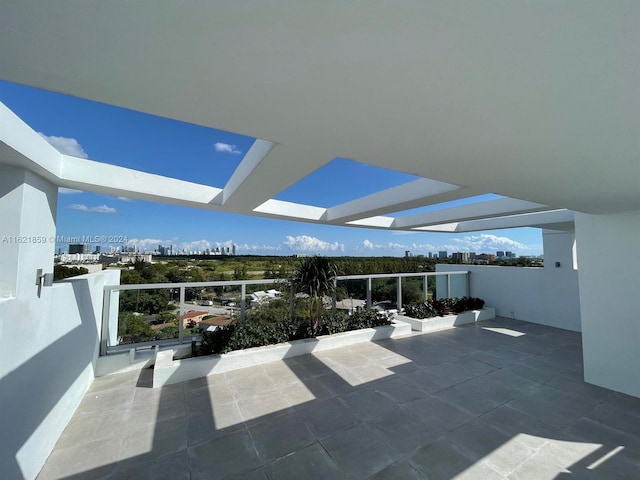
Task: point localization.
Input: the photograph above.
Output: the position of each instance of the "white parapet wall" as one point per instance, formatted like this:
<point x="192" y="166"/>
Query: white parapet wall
<point x="168" y="371"/>
<point x="435" y="324"/>
<point x="546" y="295"/>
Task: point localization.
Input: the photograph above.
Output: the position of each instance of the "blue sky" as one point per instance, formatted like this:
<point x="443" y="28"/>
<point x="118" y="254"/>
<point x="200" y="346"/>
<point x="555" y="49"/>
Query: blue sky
<point x="189" y="152"/>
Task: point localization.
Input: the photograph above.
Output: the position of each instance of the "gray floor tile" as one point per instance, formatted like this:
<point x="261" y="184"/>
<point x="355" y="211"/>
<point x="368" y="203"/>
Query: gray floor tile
<point x="400" y="390"/>
<point x="554" y="407"/>
<point x="327" y="417"/>
<point x="202" y="426"/>
<point x="441" y="416"/>
<point x="360" y="451"/>
<point x="423" y="406"/>
<point x="169" y="467"/>
<point x="404" y="430"/>
<point x="399" y="471"/>
<point x="475" y="397"/>
<point x="616" y="418"/>
<point x="153" y="441"/>
<point x="90" y="460"/>
<point x="440" y="460"/>
<point x="478" y="440"/>
<point x="224" y="456"/>
<point x="278" y="437"/>
<point x="516" y="424"/>
<point x="367" y="402"/>
<point x="311" y="463"/>
<point x="253" y="408"/>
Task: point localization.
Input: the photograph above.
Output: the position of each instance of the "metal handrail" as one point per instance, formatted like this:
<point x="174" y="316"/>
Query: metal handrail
<point x="109" y="289"/>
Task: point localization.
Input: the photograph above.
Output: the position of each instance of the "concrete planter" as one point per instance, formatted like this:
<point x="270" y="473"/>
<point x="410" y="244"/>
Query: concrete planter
<point x="448" y="321"/>
<point x="168" y="371"/>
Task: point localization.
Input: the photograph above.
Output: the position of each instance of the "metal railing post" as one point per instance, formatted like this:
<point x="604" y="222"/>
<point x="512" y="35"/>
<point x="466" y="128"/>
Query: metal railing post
<point x="104" y="331"/>
<point x="399" y="294"/>
<point x="243" y="306"/>
<point x="292" y="303"/>
<point x="369" y="302"/>
<point x="181" y="324"/>
<point x="334" y="296"/>
<point x="468" y="278"/>
<point x="448" y="286"/>
<point x="425" y="288"/>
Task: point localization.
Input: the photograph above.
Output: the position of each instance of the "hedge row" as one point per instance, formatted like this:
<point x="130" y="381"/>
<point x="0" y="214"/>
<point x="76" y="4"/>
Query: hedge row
<point x="255" y="334"/>
<point x="441" y="307"/>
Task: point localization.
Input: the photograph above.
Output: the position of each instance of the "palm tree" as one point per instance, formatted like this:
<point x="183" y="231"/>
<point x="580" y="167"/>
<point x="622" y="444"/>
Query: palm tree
<point x="314" y="276"/>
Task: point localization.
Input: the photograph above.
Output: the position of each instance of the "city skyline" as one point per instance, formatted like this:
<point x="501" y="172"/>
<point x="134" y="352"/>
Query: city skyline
<point x="189" y="152"/>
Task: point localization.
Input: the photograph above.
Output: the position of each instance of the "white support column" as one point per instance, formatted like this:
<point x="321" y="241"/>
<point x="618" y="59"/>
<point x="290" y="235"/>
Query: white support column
<point x="609" y="287"/>
<point x="27" y="231"/>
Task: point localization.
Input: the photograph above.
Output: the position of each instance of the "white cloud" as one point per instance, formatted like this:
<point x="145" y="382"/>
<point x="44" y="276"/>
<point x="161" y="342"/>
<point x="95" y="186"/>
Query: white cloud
<point x="68" y="191"/>
<point x="146" y="244"/>
<point x="98" y="209"/>
<point x="245" y="247"/>
<point x="305" y="243"/>
<point x="226" y="148"/>
<point x="389" y="246"/>
<point x="66" y="145"/>
<point x="195" y="246"/>
<point x="368" y="244"/>
<point x="481" y="243"/>
<point x="485" y="242"/>
<point x="125" y="199"/>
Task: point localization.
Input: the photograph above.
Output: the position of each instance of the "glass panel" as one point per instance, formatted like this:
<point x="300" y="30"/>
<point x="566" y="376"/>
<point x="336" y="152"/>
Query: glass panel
<point x="148" y="315"/>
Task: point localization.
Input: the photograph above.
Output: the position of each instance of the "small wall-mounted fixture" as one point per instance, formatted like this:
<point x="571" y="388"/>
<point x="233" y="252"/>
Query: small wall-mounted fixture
<point x="43" y="279"/>
<point x="557" y="264"/>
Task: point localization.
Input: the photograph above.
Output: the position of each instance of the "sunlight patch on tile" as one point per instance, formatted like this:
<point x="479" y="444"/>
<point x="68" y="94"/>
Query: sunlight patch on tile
<point x="505" y="331"/>
<point x="605" y="457"/>
<point x="356" y="374"/>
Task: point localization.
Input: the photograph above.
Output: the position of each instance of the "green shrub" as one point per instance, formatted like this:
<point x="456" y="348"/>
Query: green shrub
<point x="420" y="310"/>
<point x="257" y="333"/>
<point x="443" y="306"/>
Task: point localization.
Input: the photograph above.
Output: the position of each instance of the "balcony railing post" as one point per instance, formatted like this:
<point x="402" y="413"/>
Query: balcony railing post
<point x="448" y="286"/>
<point x="104" y="333"/>
<point x="292" y="302"/>
<point x="369" y="302"/>
<point x="468" y="278"/>
<point x="399" y="294"/>
<point x="243" y="306"/>
<point x="181" y="324"/>
<point x="425" y="288"/>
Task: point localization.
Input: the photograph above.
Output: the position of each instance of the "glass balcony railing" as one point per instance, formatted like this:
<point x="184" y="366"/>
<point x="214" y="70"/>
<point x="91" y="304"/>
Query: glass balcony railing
<point x="174" y="313"/>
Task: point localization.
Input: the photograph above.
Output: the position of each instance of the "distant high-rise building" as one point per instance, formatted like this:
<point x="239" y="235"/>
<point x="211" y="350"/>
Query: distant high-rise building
<point x="407" y="253"/>
<point x="443" y="254"/>
<point x="500" y="254"/>
<point x="98" y="249"/>
<point x="509" y="254"/>
<point x="460" y="257"/>
<point x="78" y="248"/>
<point x="233" y="250"/>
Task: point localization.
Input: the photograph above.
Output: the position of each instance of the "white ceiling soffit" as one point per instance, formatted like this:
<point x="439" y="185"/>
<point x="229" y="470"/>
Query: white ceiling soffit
<point x="290" y="210"/>
<point x="373" y="222"/>
<point x="554" y="219"/>
<point x="489" y="208"/>
<point x="534" y="100"/>
<point x="403" y="197"/>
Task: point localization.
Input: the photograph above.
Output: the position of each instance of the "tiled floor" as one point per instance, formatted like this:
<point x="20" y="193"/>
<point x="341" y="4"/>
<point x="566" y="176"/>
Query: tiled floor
<point x="470" y="402"/>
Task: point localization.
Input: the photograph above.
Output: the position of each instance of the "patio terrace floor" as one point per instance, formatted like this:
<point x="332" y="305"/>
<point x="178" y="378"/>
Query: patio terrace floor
<point x="474" y="402"/>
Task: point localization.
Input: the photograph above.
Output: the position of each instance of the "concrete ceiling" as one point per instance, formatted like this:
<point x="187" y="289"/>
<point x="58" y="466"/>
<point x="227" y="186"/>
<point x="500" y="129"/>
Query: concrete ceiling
<point x="534" y="100"/>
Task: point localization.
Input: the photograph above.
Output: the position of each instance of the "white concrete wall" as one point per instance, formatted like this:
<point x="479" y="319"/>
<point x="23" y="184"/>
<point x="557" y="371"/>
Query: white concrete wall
<point x="48" y="342"/>
<point x="548" y="295"/>
<point x="609" y="292"/>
